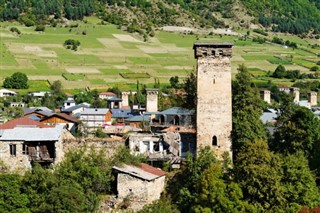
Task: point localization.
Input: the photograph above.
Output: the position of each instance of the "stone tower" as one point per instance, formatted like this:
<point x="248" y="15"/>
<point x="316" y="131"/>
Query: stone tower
<point x="152" y="100"/>
<point x="312" y="98"/>
<point x="125" y="98"/>
<point x="296" y="94"/>
<point x="214" y="103"/>
<point x="265" y="94"/>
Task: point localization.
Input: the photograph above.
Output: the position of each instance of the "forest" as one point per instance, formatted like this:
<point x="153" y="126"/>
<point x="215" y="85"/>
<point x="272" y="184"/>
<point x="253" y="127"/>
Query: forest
<point x="296" y="17"/>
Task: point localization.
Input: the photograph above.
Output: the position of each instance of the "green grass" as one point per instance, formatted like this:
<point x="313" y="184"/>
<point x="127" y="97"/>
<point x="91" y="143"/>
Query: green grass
<point x="73" y="76"/>
<point x="101" y="50"/>
<point x="134" y="75"/>
<point x="35" y="86"/>
<point x="97" y="81"/>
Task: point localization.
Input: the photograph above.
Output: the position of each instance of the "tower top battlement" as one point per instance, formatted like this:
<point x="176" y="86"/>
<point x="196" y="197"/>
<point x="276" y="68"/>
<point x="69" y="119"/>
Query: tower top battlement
<point x="212" y="49"/>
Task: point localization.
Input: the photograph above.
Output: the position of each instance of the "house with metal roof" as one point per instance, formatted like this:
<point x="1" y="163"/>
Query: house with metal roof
<point x="75" y="110"/>
<point x="22" y="146"/>
<point x="107" y="95"/>
<point x="94" y="118"/>
<point x="70" y="123"/>
<point x="7" y="93"/>
<point x="177" y="116"/>
<point x="141" y="184"/>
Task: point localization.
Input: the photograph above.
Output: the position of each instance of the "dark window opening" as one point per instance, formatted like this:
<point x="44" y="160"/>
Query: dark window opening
<point x="214" y="81"/>
<point x="213" y="52"/>
<point x="176" y="120"/>
<point x="13" y="149"/>
<point x="156" y="147"/>
<point x="214" y="141"/>
<point x="24" y="149"/>
<point x="162" y="119"/>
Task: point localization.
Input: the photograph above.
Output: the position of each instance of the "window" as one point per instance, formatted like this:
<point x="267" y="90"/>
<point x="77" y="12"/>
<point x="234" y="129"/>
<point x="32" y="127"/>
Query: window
<point x="24" y="149"/>
<point x="214" y="141"/>
<point x="13" y="149"/>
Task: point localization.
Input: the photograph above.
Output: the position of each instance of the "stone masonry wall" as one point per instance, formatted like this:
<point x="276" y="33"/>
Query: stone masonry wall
<point x="214" y="103"/>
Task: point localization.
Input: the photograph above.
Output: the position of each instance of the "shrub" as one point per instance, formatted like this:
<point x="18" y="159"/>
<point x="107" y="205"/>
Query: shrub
<point x="314" y="68"/>
<point x="40" y="28"/>
<point x="15" y="30"/>
<point x="71" y="44"/>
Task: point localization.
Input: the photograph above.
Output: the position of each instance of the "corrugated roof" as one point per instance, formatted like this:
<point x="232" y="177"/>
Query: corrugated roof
<point x="24" y="121"/>
<point x="143" y="171"/>
<point x="32" y="134"/>
<point x="93" y="111"/>
<point x="70" y="109"/>
<point x="114" y="99"/>
<point x="138" y="118"/>
<point x="121" y="113"/>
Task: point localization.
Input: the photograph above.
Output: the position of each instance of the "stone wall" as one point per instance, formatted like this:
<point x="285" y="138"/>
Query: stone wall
<point x="152" y="100"/>
<point x="108" y="145"/>
<point x="139" y="192"/>
<point x="18" y="163"/>
<point x="214" y="104"/>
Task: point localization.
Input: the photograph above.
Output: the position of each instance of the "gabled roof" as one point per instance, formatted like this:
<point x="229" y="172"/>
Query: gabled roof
<point x="40" y="110"/>
<point x="121" y="113"/>
<point x="142" y="171"/>
<point x="62" y="116"/>
<point x="95" y="111"/>
<point x="24" y="121"/>
<point x="69" y="100"/>
<point x="70" y="109"/>
<point x="32" y="134"/>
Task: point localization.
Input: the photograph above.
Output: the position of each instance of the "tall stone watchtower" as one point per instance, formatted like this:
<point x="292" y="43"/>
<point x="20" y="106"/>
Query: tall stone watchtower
<point x="312" y="98"/>
<point x="214" y="103"/>
<point x="152" y="100"/>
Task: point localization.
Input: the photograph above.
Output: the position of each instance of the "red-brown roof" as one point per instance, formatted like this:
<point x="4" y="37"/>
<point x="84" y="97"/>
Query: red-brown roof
<point x="23" y="121"/>
<point x="107" y="93"/>
<point x="155" y="171"/>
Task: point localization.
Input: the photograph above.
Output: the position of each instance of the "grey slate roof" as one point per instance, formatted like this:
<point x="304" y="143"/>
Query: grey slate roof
<point x="121" y="113"/>
<point x="32" y="134"/>
<point x="114" y="99"/>
<point x="95" y="111"/>
<point x="177" y="111"/>
<point x="138" y="118"/>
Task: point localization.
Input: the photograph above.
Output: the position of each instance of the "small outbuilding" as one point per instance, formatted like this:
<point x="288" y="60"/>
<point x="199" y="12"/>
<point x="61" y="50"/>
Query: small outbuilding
<point x="140" y="185"/>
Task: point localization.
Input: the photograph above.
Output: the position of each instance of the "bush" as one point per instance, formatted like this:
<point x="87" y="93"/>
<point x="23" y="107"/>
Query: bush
<point x="314" y="68"/>
<point x="40" y="28"/>
<point x="15" y="30"/>
<point x="17" y="81"/>
<point x="71" y="44"/>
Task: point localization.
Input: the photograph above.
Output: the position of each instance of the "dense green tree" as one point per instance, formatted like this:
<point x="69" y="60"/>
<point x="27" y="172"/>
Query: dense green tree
<point x="280" y="72"/>
<point x="258" y="172"/>
<point x="247" y="108"/>
<point x="174" y="82"/>
<point x="299" y="182"/>
<point x="11" y="197"/>
<point x="190" y="87"/>
<point x="18" y="80"/>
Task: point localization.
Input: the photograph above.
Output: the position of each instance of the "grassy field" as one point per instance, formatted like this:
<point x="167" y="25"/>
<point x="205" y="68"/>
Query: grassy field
<point x="106" y="52"/>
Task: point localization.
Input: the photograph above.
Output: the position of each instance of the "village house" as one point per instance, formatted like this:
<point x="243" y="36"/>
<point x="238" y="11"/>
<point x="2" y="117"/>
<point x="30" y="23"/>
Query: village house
<point x="69" y="103"/>
<point x="22" y="146"/>
<point x="140" y="185"/>
<point x="107" y="95"/>
<point x="22" y="122"/>
<point x="75" y="110"/>
<point x="14" y="104"/>
<point x="38" y="95"/>
<point x="94" y="118"/>
<point x="70" y="123"/>
<point x="7" y="93"/>
<point x="37" y="113"/>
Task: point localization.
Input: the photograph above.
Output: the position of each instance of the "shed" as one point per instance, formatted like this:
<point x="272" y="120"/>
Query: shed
<point x="141" y="184"/>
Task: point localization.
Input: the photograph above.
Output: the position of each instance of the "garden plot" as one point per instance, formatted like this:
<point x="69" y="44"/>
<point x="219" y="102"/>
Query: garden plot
<point x="88" y="70"/>
<point x="126" y="38"/>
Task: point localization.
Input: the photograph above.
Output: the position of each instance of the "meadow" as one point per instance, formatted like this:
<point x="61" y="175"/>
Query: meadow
<point x="110" y="57"/>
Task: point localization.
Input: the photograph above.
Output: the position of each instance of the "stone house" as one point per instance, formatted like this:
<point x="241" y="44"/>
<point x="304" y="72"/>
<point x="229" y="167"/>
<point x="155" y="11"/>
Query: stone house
<point x="21" y="146"/>
<point x="140" y="185"/>
<point x="177" y="116"/>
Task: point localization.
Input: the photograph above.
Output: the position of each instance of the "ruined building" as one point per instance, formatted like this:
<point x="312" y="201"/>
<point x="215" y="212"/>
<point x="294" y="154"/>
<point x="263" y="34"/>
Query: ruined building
<point x="214" y="104"/>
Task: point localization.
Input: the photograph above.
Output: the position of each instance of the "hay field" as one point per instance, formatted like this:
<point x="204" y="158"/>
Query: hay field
<point x="106" y="52"/>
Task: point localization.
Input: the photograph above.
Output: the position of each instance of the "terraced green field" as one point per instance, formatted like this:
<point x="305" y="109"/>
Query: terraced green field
<point x="106" y="52"/>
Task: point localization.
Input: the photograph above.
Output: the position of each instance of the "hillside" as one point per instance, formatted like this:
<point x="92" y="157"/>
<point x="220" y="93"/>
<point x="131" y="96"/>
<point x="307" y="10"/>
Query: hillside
<point x="108" y="56"/>
<point x="145" y="16"/>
